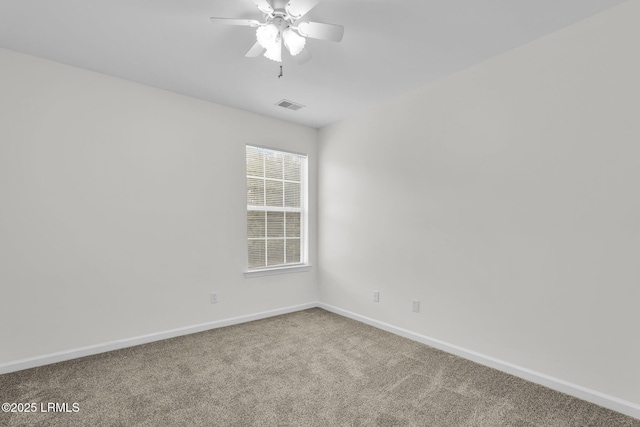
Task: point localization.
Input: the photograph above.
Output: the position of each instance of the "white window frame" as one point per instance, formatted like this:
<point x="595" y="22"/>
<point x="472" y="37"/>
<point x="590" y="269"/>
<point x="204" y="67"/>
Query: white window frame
<point x="303" y="265"/>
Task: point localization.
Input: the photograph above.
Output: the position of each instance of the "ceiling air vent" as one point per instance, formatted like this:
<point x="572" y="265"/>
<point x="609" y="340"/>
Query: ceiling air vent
<point x="289" y="105"/>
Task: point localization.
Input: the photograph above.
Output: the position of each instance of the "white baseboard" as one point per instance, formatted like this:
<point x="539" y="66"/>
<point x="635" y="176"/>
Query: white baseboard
<point x="601" y="399"/>
<point x="47" y="359"/>
<point x="607" y="401"/>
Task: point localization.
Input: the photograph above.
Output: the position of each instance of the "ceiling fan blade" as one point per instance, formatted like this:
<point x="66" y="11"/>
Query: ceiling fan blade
<point x="302" y="57"/>
<point x="256" y="50"/>
<point x="317" y="30"/>
<point x="264" y="5"/>
<point x="297" y="8"/>
<point x="239" y="22"/>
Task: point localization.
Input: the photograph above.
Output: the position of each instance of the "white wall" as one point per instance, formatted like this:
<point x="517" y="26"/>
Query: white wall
<point x="505" y="198"/>
<point x="122" y="207"/>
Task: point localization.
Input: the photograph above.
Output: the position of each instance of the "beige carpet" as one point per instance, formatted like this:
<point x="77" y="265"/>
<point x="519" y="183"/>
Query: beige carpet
<point x="311" y="368"/>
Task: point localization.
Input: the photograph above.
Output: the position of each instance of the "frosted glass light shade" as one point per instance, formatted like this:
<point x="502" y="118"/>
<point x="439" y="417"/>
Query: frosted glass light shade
<point x="267" y="35"/>
<point x="274" y="52"/>
<point x="294" y="42"/>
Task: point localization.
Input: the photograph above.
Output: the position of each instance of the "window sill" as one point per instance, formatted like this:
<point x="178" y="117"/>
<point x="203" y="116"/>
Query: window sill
<point x="278" y="270"/>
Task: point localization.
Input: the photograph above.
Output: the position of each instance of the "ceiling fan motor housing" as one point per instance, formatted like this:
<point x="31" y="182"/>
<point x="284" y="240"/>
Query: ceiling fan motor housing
<point x="280" y="22"/>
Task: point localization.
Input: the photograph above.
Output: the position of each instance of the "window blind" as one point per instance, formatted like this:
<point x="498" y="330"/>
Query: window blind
<point x="275" y="207"/>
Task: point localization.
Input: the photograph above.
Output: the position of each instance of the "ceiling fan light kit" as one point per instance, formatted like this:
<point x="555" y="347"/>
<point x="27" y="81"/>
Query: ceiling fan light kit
<point x="282" y="25"/>
<point x="293" y="41"/>
<point x="274" y="52"/>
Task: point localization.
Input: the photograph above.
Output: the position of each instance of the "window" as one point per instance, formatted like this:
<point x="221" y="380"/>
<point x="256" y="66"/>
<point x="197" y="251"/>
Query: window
<point x="276" y="208"/>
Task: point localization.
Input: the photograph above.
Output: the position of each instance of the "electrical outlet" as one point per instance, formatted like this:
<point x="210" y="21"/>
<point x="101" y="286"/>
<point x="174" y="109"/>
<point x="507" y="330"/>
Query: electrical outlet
<point x="416" y="305"/>
<point x="214" y="297"/>
<point x="376" y="296"/>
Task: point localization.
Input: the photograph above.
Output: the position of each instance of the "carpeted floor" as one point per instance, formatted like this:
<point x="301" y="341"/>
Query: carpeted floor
<point x="310" y="368"/>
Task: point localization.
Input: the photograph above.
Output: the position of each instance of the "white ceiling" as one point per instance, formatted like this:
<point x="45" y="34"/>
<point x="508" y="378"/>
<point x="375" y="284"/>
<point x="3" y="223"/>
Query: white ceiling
<point x="389" y="46"/>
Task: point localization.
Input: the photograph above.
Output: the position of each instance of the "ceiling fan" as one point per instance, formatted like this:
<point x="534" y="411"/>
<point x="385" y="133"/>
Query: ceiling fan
<point x="283" y="25"/>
